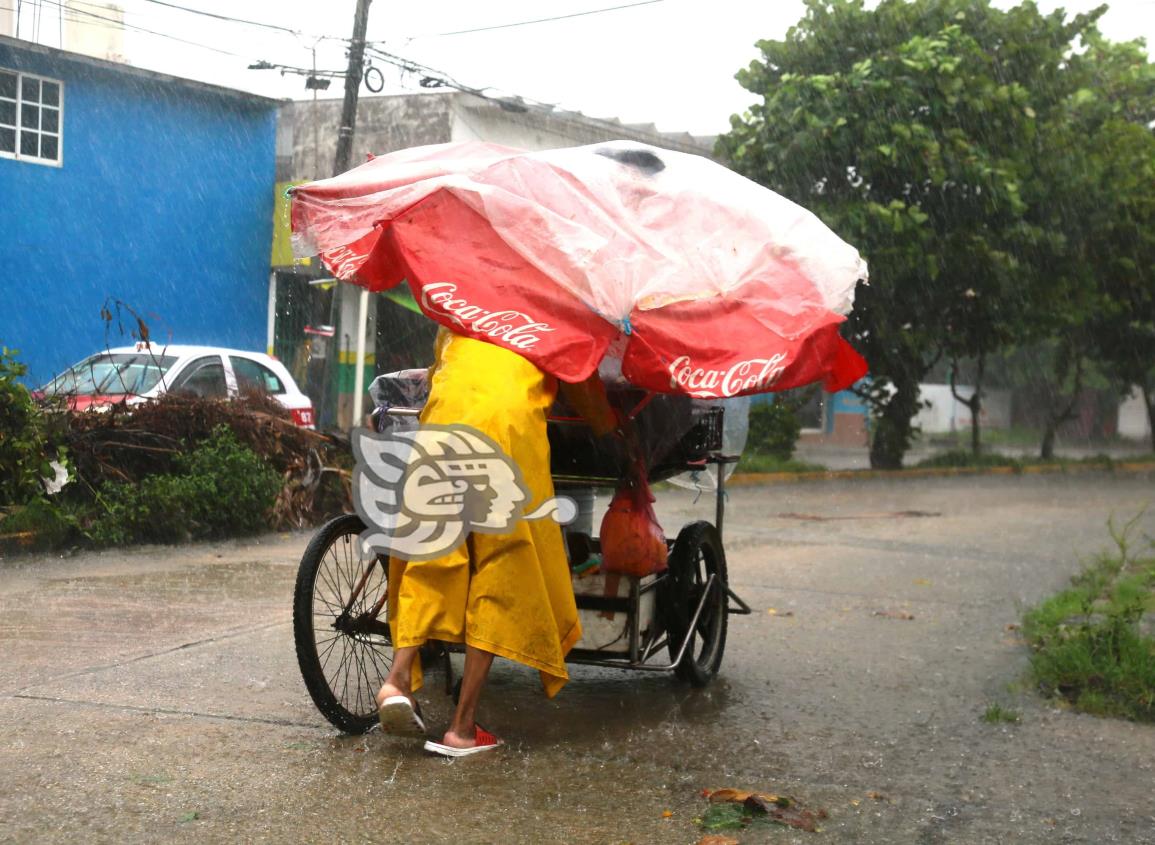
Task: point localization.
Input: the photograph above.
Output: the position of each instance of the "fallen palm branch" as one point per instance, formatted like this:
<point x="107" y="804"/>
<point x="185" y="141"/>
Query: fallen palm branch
<point x="128" y="443"/>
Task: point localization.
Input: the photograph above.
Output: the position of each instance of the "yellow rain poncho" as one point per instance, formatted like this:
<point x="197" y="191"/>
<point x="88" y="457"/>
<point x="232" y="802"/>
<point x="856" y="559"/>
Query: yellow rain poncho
<point x="509" y="594"/>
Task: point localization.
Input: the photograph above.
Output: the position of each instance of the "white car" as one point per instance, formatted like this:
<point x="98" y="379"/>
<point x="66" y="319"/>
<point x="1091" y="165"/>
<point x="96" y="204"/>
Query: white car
<point x="134" y="374"/>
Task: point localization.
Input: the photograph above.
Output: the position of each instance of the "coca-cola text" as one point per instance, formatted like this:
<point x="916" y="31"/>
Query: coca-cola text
<point x="514" y="328"/>
<point x="750" y="376"/>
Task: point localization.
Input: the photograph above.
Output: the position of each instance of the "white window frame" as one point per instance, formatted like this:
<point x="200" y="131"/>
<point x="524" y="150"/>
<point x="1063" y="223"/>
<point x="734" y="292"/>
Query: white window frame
<point x="19" y="129"/>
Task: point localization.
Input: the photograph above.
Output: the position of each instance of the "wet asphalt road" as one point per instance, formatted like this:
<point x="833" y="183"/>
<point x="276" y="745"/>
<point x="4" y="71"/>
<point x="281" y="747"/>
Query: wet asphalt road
<point x="152" y="695"/>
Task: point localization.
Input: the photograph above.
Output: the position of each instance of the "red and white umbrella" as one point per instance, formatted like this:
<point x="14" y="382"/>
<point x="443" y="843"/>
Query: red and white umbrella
<point x="717" y="286"/>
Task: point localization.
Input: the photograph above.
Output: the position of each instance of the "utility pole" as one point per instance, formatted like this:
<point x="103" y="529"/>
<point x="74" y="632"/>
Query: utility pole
<point x="340" y="165"/>
<point x="352" y="86"/>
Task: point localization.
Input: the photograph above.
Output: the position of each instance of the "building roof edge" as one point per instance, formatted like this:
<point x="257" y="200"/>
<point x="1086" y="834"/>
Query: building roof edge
<point x="132" y="70"/>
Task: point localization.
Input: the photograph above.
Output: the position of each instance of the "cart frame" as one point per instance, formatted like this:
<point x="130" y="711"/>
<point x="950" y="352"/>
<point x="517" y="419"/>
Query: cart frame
<point x="682" y="597"/>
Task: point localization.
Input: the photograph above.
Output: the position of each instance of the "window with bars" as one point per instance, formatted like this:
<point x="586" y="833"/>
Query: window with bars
<point x="30" y="117"/>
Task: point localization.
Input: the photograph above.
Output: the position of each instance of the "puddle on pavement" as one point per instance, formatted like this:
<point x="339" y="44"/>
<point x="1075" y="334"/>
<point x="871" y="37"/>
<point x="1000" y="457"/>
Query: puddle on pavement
<point x="601" y="719"/>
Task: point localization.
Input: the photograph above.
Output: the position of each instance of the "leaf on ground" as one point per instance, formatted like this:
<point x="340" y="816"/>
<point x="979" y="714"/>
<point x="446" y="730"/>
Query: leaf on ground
<point x="894" y="614"/>
<point x="876" y="796"/>
<point x="737" y="796"/>
<point x="191" y="816"/>
<point x="667" y="814"/>
<point x="724" y="817"/>
<point x="797" y="817"/>
<point x="756" y="806"/>
<point x="736" y="808"/>
<point x="717" y="839"/>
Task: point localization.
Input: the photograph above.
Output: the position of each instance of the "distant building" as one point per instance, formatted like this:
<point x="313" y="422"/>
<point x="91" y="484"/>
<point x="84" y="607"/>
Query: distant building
<point x="315" y="330"/>
<point x="122" y="184"/>
<point x="1134" y="423"/>
<point x="94" y="29"/>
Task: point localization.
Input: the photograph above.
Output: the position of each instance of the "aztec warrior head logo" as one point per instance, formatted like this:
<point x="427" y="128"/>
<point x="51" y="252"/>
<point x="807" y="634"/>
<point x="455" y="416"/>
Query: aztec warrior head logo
<point x="421" y="492"/>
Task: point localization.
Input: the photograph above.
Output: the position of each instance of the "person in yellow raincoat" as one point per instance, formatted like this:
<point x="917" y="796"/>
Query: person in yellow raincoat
<point x="499" y="594"/>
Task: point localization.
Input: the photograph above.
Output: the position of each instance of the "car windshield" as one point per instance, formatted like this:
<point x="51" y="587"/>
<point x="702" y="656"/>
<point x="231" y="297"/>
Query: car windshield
<point x="131" y="373"/>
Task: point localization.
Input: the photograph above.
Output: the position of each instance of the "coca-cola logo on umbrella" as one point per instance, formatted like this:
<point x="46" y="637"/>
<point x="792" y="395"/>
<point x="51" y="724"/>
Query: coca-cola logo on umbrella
<point x="514" y="328"/>
<point x="750" y="376"/>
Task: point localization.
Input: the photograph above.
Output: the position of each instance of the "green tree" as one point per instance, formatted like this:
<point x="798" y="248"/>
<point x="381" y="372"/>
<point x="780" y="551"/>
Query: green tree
<point x="1125" y="326"/>
<point x="1120" y="95"/>
<point x="910" y="129"/>
<point x="1094" y="190"/>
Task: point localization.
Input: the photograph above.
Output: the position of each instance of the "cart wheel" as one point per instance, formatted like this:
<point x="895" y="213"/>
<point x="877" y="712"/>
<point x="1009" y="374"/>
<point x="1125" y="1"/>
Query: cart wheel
<point x="343" y="649"/>
<point x="697" y="554"/>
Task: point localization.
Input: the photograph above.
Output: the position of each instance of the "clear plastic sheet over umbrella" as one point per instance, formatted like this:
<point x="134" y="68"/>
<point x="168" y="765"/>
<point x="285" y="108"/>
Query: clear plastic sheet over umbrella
<point x="706" y="283"/>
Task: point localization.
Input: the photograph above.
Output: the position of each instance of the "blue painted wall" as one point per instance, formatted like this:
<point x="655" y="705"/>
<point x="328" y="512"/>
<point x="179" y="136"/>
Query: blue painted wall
<point x="164" y="201"/>
<point x="842" y="402"/>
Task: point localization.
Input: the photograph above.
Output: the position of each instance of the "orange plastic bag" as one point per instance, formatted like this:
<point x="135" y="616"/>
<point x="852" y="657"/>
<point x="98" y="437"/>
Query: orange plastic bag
<point x="632" y="541"/>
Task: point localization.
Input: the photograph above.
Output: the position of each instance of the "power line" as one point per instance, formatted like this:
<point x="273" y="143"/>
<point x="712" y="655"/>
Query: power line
<point x="538" y="20"/>
<point x="431" y="78"/>
<point x="90" y="18"/>
<point x="69" y="12"/>
<point x="230" y="19"/>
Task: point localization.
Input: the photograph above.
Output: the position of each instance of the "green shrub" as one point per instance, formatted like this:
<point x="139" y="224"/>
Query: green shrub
<point x="1088" y="644"/>
<point x="774" y="429"/>
<point x="758" y="462"/>
<point x="39" y="524"/>
<point x="25" y="450"/>
<point x="996" y="713"/>
<point x="221" y="488"/>
<point x="967" y="458"/>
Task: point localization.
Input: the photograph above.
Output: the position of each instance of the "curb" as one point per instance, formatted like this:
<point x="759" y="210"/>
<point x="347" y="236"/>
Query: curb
<point x="752" y="478"/>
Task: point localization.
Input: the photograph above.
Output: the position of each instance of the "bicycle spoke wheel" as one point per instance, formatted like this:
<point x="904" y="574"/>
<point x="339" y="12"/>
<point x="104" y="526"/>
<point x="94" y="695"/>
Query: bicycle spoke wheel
<point x="697" y="571"/>
<point x="342" y="640"/>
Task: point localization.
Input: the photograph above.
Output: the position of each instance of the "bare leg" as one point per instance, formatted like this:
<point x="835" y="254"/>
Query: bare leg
<point x="399" y="681"/>
<point x="462" y="731"/>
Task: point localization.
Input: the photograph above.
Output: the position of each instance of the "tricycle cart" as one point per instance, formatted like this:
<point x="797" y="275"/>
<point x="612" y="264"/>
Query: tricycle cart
<point x="672" y="621"/>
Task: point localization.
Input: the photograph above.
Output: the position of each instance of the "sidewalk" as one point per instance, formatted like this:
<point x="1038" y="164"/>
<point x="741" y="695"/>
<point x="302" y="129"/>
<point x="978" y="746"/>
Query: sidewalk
<point x="838" y="457"/>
